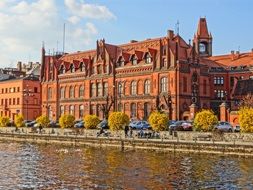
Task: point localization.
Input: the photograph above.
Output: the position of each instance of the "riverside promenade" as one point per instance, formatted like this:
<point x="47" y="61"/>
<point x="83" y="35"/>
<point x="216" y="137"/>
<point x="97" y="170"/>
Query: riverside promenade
<point x="187" y="142"/>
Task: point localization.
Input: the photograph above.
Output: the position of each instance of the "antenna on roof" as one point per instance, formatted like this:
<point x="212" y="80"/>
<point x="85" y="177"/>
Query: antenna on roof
<point x="57" y="43"/>
<point x="239" y="48"/>
<point x="177" y="27"/>
<point x="63" y="43"/>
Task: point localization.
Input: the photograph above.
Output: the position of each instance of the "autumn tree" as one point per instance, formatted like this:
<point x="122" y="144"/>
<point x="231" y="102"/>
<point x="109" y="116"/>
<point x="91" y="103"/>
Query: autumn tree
<point x="117" y="120"/>
<point x="67" y="121"/>
<point x="246" y="119"/>
<point x="19" y="120"/>
<point x="43" y="121"/>
<point x="91" y="121"/>
<point x="4" y="121"/>
<point x="205" y="120"/>
<point x="158" y="121"/>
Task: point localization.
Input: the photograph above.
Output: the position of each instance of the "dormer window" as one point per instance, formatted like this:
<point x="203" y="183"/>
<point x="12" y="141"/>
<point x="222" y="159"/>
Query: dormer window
<point x="164" y="62"/>
<point x="148" y="58"/>
<point x="82" y="67"/>
<point x="99" y="69"/>
<point x="72" y="68"/>
<point x="134" y="60"/>
<point x="62" y="69"/>
<point x="121" y="62"/>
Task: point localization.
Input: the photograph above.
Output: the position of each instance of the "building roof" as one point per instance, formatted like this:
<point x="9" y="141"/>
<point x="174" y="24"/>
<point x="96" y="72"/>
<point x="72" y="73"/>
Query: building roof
<point x="202" y="30"/>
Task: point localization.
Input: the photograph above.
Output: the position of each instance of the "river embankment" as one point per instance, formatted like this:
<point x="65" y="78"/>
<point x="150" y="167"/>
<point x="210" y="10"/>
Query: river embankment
<point x="188" y="142"/>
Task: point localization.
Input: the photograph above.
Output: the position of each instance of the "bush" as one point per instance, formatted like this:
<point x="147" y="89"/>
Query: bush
<point x="91" y="121"/>
<point x="205" y="120"/>
<point x="158" y="121"/>
<point x="19" y="120"/>
<point x="4" y="121"/>
<point x="67" y="121"/>
<point x="117" y="120"/>
<point x="43" y="120"/>
<point x="246" y="119"/>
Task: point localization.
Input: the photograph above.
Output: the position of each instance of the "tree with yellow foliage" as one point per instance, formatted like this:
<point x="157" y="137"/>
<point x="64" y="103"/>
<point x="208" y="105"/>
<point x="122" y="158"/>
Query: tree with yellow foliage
<point x="205" y="120"/>
<point x="19" y="120"/>
<point x="67" y="121"/>
<point x="4" y="121"/>
<point x="91" y="121"/>
<point x="43" y="121"/>
<point x="158" y="121"/>
<point x="117" y="120"/>
<point x="246" y="119"/>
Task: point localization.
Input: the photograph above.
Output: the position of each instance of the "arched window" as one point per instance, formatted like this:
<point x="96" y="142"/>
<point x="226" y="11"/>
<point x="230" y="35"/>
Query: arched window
<point x="62" y="92"/>
<point x="105" y="89"/>
<point x="133" y="109"/>
<point x="164" y="84"/>
<point x="81" y="91"/>
<point x="62" y="69"/>
<point x="120" y="107"/>
<point x="148" y="58"/>
<point x="133" y="88"/>
<point x="134" y="60"/>
<point x="147" y="87"/>
<point x="72" y="110"/>
<point x="71" y="92"/>
<point x="81" y="111"/>
<point x="82" y="66"/>
<point x="72" y="68"/>
<point x="100" y="89"/>
<point x="93" y="90"/>
<point x="49" y="93"/>
<point x="120" y="88"/>
<point x="147" y="110"/>
<point x="62" y="110"/>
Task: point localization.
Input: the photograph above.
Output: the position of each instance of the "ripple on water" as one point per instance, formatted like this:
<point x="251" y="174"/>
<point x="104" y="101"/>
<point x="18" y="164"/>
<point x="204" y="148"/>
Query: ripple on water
<point x="30" y="166"/>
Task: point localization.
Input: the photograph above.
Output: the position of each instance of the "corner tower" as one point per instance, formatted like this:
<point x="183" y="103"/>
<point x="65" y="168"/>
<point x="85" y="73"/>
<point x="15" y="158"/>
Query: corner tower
<point x="203" y="40"/>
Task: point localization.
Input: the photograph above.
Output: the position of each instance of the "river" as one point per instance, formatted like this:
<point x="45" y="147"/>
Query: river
<point x="33" y="166"/>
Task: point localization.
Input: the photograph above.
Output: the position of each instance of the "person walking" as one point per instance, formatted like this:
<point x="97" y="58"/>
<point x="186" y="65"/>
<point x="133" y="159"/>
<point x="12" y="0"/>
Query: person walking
<point x="126" y="131"/>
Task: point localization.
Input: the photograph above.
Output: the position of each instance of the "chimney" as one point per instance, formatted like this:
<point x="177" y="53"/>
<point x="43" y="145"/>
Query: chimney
<point x="133" y="41"/>
<point x="19" y="65"/>
<point x="170" y="34"/>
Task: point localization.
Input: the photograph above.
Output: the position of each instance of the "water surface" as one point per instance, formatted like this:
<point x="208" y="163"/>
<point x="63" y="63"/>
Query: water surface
<point x="32" y="166"/>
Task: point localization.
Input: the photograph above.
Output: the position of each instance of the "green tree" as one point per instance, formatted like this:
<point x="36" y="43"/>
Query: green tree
<point x="158" y="121"/>
<point x="246" y="119"/>
<point x="19" y="120"/>
<point x="91" y="121"/>
<point x="43" y="120"/>
<point x="117" y="120"/>
<point x="4" y="121"/>
<point x="205" y="120"/>
<point x="67" y="121"/>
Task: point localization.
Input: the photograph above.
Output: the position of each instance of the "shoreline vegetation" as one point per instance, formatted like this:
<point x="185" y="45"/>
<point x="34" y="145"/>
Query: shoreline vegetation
<point x="238" y="144"/>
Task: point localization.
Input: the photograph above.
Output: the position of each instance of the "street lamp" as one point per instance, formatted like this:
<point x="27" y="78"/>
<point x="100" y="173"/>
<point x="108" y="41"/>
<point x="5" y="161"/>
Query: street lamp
<point x="27" y="92"/>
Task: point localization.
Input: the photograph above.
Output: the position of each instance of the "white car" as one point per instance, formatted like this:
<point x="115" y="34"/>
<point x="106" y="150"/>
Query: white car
<point x="224" y="126"/>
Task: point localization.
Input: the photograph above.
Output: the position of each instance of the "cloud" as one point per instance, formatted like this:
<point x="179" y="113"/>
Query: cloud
<point x="25" y="24"/>
<point x="85" y="10"/>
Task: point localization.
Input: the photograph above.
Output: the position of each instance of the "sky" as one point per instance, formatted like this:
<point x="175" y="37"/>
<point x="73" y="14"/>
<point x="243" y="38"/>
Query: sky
<point x="25" y="24"/>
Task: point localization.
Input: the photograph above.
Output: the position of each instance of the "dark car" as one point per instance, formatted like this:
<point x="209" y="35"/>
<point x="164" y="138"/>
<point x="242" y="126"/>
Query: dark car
<point x="54" y="124"/>
<point x="30" y="124"/>
<point x="237" y="128"/>
<point x="181" y="126"/>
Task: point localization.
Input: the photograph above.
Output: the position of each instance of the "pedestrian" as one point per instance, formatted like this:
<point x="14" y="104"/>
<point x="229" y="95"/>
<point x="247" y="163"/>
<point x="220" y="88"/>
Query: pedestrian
<point x="126" y="130"/>
<point x="131" y="132"/>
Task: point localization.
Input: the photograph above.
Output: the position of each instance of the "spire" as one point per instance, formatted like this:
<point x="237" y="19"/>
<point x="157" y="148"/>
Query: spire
<point x="43" y="54"/>
<point x="202" y="31"/>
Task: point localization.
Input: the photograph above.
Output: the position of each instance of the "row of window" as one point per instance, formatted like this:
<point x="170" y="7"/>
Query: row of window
<point x="218" y="80"/>
<point x="71" y="92"/>
<point x="134" y="60"/>
<point x="16" y="89"/>
<point x="10" y="101"/>
<point x="220" y="93"/>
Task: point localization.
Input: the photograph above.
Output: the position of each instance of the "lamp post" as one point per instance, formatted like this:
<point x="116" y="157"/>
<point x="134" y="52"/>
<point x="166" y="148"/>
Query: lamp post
<point x="27" y="92"/>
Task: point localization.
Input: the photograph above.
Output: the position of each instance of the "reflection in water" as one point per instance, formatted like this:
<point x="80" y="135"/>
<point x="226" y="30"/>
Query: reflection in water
<point x="30" y="166"/>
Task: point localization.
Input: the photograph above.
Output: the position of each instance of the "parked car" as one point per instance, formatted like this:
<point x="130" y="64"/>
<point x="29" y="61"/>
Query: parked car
<point x="181" y="126"/>
<point x="139" y="125"/>
<point x="223" y="126"/>
<point x="103" y="124"/>
<point x="237" y="128"/>
<point x="54" y="124"/>
<point x="79" y="124"/>
<point x="30" y="124"/>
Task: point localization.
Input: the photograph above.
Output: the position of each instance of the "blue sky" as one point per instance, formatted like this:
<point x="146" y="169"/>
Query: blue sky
<point x="25" y="24"/>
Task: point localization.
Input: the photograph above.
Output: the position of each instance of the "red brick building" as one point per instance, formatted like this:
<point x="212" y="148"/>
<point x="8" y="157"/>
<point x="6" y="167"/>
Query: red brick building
<point x="20" y="96"/>
<point x="136" y="73"/>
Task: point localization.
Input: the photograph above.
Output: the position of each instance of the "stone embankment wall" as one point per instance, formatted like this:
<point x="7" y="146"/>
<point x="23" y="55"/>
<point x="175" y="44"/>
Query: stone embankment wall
<point x="191" y="142"/>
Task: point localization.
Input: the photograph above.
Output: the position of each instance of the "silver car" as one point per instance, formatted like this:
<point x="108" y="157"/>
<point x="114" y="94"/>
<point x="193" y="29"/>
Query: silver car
<point x="224" y="127"/>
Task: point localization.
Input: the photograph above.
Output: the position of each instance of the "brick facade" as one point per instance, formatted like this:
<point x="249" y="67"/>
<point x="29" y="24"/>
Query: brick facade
<point x="135" y="74"/>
